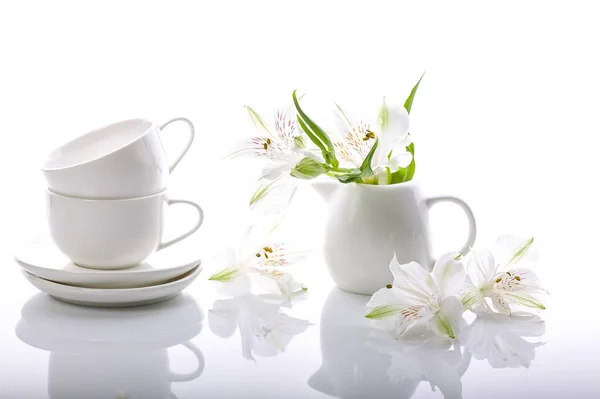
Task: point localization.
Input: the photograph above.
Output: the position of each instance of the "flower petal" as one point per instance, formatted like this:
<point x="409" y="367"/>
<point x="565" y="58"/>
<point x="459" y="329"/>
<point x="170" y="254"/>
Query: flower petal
<point x="277" y="169"/>
<point x="481" y="266"/>
<point x="472" y="298"/>
<point x="238" y="286"/>
<point x="514" y="251"/>
<point x="413" y="279"/>
<point x="400" y="159"/>
<point x="447" y="321"/>
<point x="222" y="318"/>
<point x="389" y="306"/>
<point x="523" y="299"/>
<point x="500" y="304"/>
<point x="394" y="132"/>
<point x="449" y="274"/>
<point x="275" y="281"/>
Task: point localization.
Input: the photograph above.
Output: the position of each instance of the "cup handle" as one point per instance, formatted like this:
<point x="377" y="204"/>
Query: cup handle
<point x="175" y="377"/>
<point x="187" y="146"/>
<point x="468" y="212"/>
<point x="170" y="202"/>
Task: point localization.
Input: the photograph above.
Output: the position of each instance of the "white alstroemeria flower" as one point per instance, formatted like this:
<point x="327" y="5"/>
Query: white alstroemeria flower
<point x="263" y="258"/>
<point x="282" y="145"/>
<point x="501" y="339"/>
<point x="502" y="277"/>
<point x="264" y="329"/>
<point x="418" y="296"/>
<point x="358" y="138"/>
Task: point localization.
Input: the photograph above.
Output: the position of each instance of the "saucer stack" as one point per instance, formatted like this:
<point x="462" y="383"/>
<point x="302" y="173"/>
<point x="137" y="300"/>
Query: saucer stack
<point x="106" y="201"/>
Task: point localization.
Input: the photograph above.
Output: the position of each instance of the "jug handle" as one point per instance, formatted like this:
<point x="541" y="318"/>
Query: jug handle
<point x="175" y="377"/>
<point x="468" y="213"/>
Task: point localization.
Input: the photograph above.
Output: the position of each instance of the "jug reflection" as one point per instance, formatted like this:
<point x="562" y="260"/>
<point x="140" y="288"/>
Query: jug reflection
<point x="264" y="329"/>
<point x="111" y="353"/>
<point x="357" y="363"/>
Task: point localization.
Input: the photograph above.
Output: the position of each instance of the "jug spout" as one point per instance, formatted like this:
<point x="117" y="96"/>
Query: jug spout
<point x="325" y="188"/>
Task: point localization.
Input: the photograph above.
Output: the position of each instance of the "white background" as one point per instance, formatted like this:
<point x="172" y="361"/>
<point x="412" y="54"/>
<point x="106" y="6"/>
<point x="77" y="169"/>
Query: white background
<point x="506" y="116"/>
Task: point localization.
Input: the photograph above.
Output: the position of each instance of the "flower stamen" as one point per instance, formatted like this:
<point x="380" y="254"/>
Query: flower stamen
<point x="369" y="135"/>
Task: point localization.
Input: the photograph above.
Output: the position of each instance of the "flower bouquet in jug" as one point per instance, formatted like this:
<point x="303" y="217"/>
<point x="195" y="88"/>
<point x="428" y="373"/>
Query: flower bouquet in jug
<point x="378" y="152"/>
<point x="382" y="213"/>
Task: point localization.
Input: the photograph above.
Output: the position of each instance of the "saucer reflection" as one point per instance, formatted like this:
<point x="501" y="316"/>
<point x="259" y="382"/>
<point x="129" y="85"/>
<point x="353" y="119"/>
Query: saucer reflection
<point x="111" y="353"/>
<point x="265" y="330"/>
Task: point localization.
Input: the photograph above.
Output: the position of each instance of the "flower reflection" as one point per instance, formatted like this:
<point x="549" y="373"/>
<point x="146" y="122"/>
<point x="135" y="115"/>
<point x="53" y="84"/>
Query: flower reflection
<point x="359" y="362"/>
<point x="265" y="330"/>
<point x="501" y="339"/>
<point x="430" y="359"/>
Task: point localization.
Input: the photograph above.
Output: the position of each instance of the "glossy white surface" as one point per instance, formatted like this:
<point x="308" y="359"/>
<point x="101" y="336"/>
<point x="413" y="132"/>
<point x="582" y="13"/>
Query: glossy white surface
<point x="321" y="347"/>
<point x="506" y="118"/>
<point x="114" y="297"/>
<point x="112" y="234"/>
<point x="40" y="257"/>
<point x="122" y="160"/>
<point x="384" y="219"/>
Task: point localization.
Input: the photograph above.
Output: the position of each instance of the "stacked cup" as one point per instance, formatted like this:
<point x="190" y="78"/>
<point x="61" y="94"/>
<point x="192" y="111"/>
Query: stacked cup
<point x="106" y="196"/>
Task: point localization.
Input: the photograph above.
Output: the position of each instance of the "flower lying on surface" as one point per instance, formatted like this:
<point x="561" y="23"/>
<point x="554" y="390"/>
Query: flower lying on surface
<point x="262" y="257"/>
<point x="417" y="296"/>
<point x="501" y="339"/>
<point x="264" y="329"/>
<point x="503" y="277"/>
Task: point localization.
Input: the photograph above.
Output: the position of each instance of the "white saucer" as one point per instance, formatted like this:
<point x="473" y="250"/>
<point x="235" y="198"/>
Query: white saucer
<point x="120" y="297"/>
<point x="40" y="257"/>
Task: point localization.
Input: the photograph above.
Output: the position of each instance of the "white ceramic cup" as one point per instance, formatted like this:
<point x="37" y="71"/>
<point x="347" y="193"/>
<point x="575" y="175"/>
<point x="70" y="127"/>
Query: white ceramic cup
<point x="122" y="160"/>
<point x="111" y="234"/>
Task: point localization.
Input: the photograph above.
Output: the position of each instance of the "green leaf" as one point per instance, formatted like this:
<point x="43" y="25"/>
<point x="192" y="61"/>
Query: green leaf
<point x="316" y="134"/>
<point x="350" y="176"/>
<point x="409" y="101"/>
<point x="365" y="167"/>
<point x="364" y="171"/>
<point x="308" y="168"/>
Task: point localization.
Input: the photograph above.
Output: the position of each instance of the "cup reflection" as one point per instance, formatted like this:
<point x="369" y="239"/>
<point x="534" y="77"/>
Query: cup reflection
<point x="111" y="353"/>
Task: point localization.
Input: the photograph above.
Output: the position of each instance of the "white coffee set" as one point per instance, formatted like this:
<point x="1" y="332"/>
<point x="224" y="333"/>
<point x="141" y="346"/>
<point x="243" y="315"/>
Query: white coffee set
<point x="106" y="202"/>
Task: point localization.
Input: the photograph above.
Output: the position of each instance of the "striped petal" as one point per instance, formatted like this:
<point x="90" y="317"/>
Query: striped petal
<point x="449" y="275"/>
<point x="447" y="321"/>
